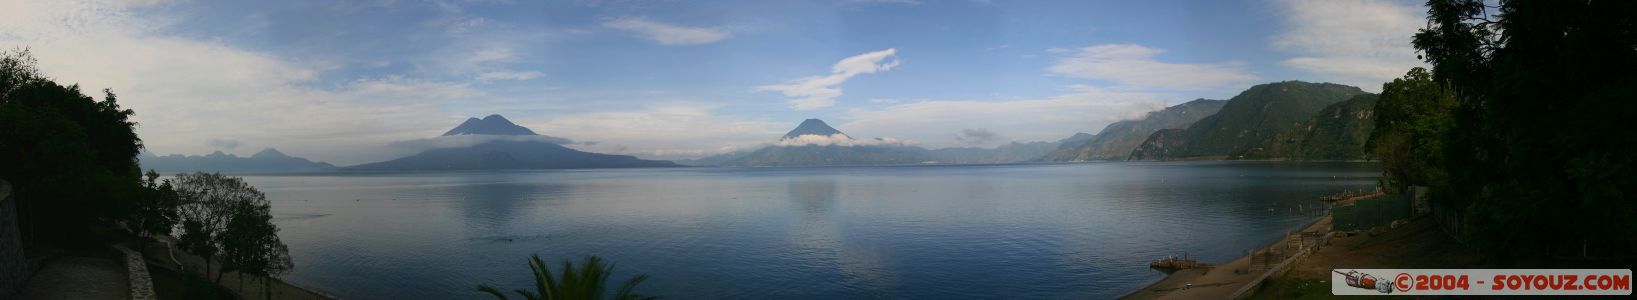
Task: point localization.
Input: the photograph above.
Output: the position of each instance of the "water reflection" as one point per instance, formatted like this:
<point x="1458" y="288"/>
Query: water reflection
<point x="1032" y="231"/>
<point x="815" y="195"/>
<point x="490" y="206"/>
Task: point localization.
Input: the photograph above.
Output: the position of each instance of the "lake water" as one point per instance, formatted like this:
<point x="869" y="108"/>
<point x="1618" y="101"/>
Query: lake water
<point x="994" y="231"/>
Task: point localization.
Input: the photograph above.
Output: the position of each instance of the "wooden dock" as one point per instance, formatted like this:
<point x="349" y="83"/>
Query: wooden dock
<point x="1177" y="263"/>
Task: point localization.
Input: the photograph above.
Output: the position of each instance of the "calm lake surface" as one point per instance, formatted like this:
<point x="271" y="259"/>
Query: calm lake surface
<point x="995" y="231"/>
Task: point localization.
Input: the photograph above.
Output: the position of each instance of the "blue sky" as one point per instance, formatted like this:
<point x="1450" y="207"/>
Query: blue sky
<point x="345" y="81"/>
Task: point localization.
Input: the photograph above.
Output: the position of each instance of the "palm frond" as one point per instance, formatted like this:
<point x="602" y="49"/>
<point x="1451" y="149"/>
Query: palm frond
<point x="492" y="291"/>
<point x="625" y="293"/>
<point x="588" y="282"/>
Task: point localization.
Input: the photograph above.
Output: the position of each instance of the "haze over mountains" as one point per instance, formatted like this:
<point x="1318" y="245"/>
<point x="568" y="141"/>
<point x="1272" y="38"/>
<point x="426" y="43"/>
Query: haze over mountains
<point x="1116" y="141"/>
<point x="1291" y="120"/>
<point x="267" y="161"/>
<point x="814" y="143"/>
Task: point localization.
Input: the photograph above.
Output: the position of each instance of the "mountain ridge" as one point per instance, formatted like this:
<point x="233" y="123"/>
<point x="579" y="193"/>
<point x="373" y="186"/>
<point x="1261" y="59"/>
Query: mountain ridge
<point x="1246" y="121"/>
<point x="1116" y="140"/>
<point x="268" y="160"/>
<point x="500" y="153"/>
<point x="490" y="125"/>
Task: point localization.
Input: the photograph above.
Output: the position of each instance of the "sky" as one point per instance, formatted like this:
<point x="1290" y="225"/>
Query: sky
<point x="351" y="82"/>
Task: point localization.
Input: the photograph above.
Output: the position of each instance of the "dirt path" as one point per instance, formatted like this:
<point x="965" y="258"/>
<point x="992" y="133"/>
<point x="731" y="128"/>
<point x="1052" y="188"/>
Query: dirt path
<point x="74" y="278"/>
<point x="1217" y="282"/>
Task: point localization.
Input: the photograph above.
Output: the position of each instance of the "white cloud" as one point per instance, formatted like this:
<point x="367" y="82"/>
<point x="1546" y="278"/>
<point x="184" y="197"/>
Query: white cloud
<point x="187" y="91"/>
<point x="663" y="131"/>
<point x="668" y="34"/>
<point x="939" y="123"/>
<point x="1358" y="42"/>
<point x="820" y="91"/>
<point x="457" y="141"/>
<point x="508" y="75"/>
<point x="1135" y="65"/>
<point x="839" y="140"/>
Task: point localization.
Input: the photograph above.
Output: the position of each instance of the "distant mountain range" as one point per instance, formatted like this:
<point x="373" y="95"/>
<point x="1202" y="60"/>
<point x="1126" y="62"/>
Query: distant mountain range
<point x="1009" y="153"/>
<point x="1116" y="141"/>
<point x="1292" y="120"/>
<point x="267" y="161"/>
<point x="814" y="143"/>
<point x="830" y="147"/>
<point x="1246" y="121"/>
<point x="506" y="153"/>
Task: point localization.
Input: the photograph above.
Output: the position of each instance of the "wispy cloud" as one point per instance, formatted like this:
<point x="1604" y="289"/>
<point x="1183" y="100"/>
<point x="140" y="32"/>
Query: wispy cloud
<point x="664" y="130"/>
<point x="668" y="34"/>
<point x="976" y="136"/>
<point x="820" y="91"/>
<point x="940" y="123"/>
<point x="224" y="144"/>
<point x="458" y="141"/>
<point x="508" y="75"/>
<point x="187" y="91"/>
<point x="1358" y="42"/>
<point x="839" y="140"/>
<point x="1136" y="66"/>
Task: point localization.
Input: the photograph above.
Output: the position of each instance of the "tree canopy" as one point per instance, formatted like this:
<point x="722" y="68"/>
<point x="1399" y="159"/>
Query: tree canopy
<point x="71" y="158"/>
<point x="223" y="215"/>
<point x="1538" y="155"/>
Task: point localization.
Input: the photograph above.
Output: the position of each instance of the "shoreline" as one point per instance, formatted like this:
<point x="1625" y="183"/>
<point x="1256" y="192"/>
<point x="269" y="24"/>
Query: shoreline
<point x="1218" y="281"/>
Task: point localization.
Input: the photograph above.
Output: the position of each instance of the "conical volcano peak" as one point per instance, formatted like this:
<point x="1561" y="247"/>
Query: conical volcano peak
<point x="269" y="153"/>
<point x="812" y="127"/>
<point x="490" y="125"/>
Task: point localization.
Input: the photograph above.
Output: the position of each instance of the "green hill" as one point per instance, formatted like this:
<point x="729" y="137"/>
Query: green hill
<point x="1247" y="120"/>
<point x="1117" y="140"/>
<point x="1336" y="133"/>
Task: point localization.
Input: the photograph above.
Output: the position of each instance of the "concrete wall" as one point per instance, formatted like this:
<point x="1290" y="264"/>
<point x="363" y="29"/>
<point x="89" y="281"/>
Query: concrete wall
<point x="14" y="268"/>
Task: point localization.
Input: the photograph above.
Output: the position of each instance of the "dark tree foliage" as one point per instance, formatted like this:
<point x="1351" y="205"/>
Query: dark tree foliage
<point x="223" y="215"/>
<point x="250" y="242"/>
<point x="1540" y="156"/>
<point x="1412" y="120"/>
<point x="154" y="212"/>
<point x="71" y="158"/>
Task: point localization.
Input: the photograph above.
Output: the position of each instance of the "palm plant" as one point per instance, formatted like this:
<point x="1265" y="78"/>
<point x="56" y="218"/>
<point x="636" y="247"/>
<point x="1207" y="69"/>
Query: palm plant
<point x="586" y="283"/>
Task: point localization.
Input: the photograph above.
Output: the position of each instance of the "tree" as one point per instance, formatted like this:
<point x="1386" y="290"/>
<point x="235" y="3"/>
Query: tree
<point x="223" y="215"/>
<point x="1412" y="119"/>
<point x="589" y="282"/>
<point x="71" y="158"/>
<point x="1539" y="155"/>
<point x="155" y="213"/>
<point x="250" y="242"/>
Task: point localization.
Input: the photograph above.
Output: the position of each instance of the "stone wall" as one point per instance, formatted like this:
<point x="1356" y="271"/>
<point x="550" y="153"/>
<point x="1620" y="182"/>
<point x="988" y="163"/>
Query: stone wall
<point x="136" y="268"/>
<point x="14" y="268"/>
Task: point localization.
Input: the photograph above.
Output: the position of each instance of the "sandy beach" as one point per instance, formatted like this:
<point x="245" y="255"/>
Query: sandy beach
<point x="1217" y="282"/>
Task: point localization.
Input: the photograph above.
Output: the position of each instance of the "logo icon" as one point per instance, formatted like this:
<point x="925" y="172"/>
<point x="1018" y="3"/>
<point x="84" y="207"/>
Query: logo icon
<point x="1368" y="282"/>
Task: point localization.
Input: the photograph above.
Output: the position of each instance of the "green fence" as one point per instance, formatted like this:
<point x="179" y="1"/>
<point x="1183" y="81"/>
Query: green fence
<point x="1367" y="213"/>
